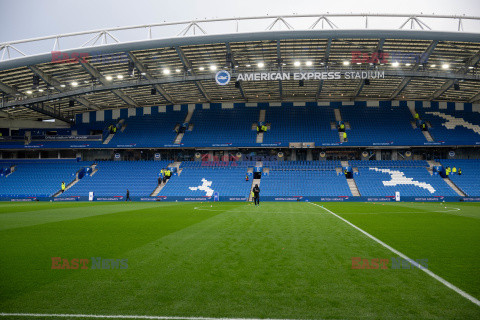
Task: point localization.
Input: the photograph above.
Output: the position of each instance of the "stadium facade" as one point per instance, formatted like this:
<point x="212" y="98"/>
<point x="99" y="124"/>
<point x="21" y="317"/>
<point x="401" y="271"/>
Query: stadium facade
<point x="375" y="112"/>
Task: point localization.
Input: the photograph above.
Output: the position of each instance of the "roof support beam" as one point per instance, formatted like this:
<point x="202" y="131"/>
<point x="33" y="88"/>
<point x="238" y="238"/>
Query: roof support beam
<point x="406" y="80"/>
<point x="207" y="77"/>
<point x="361" y="84"/>
<point x="49" y="111"/>
<point x="234" y="63"/>
<point x="95" y="73"/>
<point x="464" y="69"/>
<point x="49" y="80"/>
<point x="188" y="68"/>
<point x="475" y="98"/>
<point x="279" y="63"/>
<point x="325" y="60"/>
<point x="143" y="69"/>
<point x="38" y="107"/>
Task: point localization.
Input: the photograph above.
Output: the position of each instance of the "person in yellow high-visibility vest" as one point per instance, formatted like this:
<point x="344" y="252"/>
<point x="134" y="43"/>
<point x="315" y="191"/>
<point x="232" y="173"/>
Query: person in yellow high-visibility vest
<point x="342" y="127"/>
<point x="454" y="170"/>
<point x="63" y="187"/>
<point x="417" y="116"/>
<point x="345" y="137"/>
<point x="264" y="128"/>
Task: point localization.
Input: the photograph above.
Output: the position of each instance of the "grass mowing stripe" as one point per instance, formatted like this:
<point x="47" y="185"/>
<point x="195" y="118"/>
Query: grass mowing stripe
<point x="125" y="317"/>
<point x="414" y="263"/>
<point x="29" y="218"/>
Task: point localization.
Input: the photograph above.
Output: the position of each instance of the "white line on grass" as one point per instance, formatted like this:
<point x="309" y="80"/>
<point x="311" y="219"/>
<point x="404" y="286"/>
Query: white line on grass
<point x="98" y="316"/>
<point x="414" y="263"/>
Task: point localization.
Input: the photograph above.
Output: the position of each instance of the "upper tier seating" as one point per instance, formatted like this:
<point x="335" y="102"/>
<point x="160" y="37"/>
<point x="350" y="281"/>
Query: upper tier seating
<point x="469" y="181"/>
<point x="381" y="125"/>
<point x="149" y="130"/>
<point x="113" y="178"/>
<point x="452" y="126"/>
<point x="37" y="178"/>
<point x="222" y="127"/>
<point x="300" y="124"/>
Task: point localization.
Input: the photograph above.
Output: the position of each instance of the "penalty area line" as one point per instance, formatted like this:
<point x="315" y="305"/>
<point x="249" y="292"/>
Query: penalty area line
<point x="98" y="316"/>
<point x="414" y="263"/>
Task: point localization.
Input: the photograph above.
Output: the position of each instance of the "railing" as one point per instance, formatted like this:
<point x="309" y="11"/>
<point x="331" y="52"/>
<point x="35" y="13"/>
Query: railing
<point x="88" y="39"/>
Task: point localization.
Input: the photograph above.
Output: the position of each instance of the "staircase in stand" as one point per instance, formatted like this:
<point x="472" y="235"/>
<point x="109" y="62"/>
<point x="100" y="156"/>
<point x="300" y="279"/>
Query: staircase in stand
<point x="179" y="137"/>
<point x="338" y="115"/>
<point x="254" y="182"/>
<point x="455" y="187"/>
<point x="428" y="136"/>
<point x="109" y="138"/>
<point x="353" y="187"/>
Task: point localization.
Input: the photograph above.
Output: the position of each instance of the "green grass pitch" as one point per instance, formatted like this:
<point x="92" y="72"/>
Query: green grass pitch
<point x="233" y="260"/>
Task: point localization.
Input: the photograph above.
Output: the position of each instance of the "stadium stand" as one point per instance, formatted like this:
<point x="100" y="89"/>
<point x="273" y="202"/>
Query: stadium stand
<point x="149" y="130"/>
<point x="37" y="178"/>
<point x="468" y="181"/>
<point x="452" y="126"/>
<point x="410" y="180"/>
<point x="300" y="124"/>
<point x="202" y="181"/>
<point x="113" y="178"/>
<point x="222" y="127"/>
<point x="306" y="182"/>
<point x="380" y="125"/>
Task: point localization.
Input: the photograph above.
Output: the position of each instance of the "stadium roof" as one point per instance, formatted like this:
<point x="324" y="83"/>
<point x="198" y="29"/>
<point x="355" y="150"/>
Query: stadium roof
<point x="104" y="72"/>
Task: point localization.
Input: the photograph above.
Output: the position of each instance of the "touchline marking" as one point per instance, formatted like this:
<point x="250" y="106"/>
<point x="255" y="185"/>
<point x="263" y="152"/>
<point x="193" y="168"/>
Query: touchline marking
<point x="98" y="316"/>
<point x="416" y="264"/>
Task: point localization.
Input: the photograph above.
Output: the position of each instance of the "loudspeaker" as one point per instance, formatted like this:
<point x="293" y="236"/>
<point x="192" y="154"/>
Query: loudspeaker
<point x="301" y="83"/>
<point x="367" y="82"/>
<point x="237" y="84"/>
<point x="153" y="92"/>
<point x="36" y="80"/>
<point x="71" y="103"/>
<point x="456" y="86"/>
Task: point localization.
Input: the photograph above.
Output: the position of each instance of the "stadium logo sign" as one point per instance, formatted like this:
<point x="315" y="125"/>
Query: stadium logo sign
<point x="397" y="263"/>
<point x="96" y="263"/>
<point x="222" y="77"/>
<point x="323" y="75"/>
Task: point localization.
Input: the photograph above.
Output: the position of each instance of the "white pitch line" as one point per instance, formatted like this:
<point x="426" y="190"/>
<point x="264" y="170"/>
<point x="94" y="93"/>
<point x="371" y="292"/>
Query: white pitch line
<point x="98" y="316"/>
<point x="414" y="263"/>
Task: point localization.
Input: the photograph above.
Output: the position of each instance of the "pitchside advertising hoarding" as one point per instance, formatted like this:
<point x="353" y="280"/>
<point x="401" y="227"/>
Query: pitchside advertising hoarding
<point x="223" y="77"/>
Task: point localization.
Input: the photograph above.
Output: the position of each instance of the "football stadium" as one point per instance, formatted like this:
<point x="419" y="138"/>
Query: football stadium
<point x="298" y="166"/>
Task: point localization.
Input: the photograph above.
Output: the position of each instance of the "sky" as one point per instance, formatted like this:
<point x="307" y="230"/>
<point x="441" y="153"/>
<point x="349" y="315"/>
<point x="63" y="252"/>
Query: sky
<point x="23" y="19"/>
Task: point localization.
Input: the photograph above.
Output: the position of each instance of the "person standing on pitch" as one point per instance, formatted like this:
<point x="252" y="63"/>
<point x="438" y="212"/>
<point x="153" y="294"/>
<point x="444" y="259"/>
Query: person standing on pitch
<point x="256" y="195"/>
<point x="127" y="198"/>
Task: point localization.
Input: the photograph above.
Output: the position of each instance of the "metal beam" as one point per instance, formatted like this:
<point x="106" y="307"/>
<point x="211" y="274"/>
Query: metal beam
<point x="141" y="67"/>
<point x="95" y="73"/>
<point x="361" y="84"/>
<point x="48" y="111"/>
<point x="234" y="62"/>
<point x="50" y="81"/>
<point x="279" y="62"/>
<point x="191" y="78"/>
<point x="325" y="60"/>
<point x="406" y="80"/>
<point x="475" y="98"/>
<point x="187" y="65"/>
<point x="464" y="69"/>
<point x="359" y="88"/>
